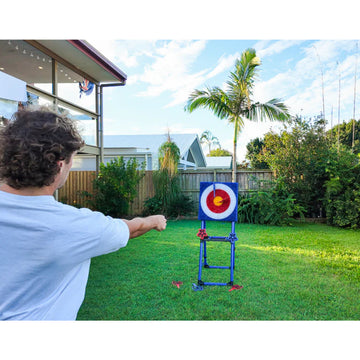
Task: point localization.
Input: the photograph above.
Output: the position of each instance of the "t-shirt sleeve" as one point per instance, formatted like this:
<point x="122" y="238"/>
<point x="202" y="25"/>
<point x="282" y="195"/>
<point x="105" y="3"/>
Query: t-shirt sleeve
<point x="91" y="234"/>
<point x="114" y="236"/>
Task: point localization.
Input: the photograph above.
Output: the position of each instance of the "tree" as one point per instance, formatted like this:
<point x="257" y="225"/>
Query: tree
<point x="235" y="103"/>
<point x="219" y="152"/>
<point x="208" y="138"/>
<point x="345" y="131"/>
<point x="300" y="155"/>
<point x="254" y="149"/>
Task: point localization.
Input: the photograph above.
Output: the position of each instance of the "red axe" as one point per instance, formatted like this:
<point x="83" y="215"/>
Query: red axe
<point x="177" y="283"/>
<point x="236" y="287"/>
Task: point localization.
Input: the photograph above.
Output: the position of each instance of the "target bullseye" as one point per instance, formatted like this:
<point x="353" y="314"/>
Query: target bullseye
<point x="218" y="201"/>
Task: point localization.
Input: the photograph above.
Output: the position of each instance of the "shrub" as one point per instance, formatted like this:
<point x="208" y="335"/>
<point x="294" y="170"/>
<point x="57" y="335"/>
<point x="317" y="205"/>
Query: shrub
<point x="153" y="206"/>
<point x="272" y="206"/>
<point x="115" y="187"/>
<point x="343" y="190"/>
<point x="181" y="205"/>
<point x="168" y="199"/>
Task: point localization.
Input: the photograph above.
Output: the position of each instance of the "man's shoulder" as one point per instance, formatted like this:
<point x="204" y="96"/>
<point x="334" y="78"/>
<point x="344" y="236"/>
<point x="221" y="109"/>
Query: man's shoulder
<point x="76" y="212"/>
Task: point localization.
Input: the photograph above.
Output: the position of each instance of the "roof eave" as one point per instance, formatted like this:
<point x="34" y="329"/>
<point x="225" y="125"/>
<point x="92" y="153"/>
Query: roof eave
<point x="92" y="53"/>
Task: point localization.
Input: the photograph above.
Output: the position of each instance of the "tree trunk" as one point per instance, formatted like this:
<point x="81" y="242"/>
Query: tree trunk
<point x="233" y="177"/>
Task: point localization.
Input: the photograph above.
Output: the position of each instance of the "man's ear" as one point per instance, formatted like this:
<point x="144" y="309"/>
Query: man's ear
<point x="60" y="164"/>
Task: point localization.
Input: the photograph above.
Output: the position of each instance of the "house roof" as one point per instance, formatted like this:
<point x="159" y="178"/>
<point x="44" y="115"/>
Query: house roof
<point x="185" y="142"/>
<point x="219" y="162"/>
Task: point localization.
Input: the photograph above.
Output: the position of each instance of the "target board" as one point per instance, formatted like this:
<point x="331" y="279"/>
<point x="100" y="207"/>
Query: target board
<point x="218" y="201"/>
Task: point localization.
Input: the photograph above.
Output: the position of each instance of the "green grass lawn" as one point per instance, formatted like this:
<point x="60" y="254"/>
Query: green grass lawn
<point x="304" y="272"/>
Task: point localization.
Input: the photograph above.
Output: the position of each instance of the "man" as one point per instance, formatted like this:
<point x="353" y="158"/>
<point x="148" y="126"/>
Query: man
<point x="46" y="246"/>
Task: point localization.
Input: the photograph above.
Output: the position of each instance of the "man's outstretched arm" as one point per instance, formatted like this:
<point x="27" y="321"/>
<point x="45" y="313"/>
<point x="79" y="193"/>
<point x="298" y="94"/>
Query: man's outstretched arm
<point x="139" y="226"/>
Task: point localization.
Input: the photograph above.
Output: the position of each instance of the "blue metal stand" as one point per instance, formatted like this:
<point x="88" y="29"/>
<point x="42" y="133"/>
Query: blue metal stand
<point x="203" y="254"/>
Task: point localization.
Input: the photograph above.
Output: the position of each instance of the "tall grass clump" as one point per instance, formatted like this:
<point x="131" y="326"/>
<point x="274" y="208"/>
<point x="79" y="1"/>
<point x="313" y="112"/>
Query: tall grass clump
<point x="168" y="198"/>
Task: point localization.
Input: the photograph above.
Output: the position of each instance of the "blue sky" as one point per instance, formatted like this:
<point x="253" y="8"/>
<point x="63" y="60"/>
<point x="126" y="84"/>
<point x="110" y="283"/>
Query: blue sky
<point x="162" y="74"/>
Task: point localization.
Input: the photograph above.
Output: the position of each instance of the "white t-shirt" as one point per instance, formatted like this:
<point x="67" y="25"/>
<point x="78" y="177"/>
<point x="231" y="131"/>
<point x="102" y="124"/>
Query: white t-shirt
<point x="45" y="252"/>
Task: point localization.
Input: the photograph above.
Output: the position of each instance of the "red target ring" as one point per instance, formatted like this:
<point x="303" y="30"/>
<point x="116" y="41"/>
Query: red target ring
<point x="218" y="202"/>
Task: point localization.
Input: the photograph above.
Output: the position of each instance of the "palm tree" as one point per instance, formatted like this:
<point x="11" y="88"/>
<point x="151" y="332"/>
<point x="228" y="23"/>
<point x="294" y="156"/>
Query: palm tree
<point x="208" y="138"/>
<point x="235" y="103"/>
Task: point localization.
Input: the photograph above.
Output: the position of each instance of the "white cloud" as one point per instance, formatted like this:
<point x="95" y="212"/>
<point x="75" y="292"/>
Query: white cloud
<point x="124" y="53"/>
<point x="273" y="48"/>
<point x="301" y="86"/>
<point x="171" y="70"/>
<point x="224" y="63"/>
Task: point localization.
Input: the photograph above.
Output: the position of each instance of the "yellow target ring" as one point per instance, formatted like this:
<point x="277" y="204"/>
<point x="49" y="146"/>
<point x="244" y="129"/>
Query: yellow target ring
<point x="218" y="200"/>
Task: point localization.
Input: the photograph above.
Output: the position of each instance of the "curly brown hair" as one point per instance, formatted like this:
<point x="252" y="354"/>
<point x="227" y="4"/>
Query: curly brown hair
<point x="32" y="144"/>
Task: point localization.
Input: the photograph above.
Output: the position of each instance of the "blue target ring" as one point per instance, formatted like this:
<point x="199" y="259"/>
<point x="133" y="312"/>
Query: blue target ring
<point x="218" y="201"/>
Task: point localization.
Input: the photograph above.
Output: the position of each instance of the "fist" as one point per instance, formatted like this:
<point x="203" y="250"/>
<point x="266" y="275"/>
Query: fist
<point x="159" y="222"/>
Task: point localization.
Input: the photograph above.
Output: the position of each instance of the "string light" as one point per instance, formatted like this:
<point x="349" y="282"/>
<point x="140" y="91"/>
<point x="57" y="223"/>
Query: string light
<point x="38" y="57"/>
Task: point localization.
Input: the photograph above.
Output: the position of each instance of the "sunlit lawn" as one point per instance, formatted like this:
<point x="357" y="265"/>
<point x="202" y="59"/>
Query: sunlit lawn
<point x="304" y="272"/>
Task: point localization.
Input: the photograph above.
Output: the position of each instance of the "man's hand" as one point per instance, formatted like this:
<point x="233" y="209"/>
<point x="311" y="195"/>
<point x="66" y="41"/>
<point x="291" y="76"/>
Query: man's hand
<point x="140" y="226"/>
<point x="160" y="222"/>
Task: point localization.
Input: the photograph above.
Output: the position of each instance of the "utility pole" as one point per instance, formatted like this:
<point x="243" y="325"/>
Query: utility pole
<point x="338" y="132"/>
<point x="353" y="127"/>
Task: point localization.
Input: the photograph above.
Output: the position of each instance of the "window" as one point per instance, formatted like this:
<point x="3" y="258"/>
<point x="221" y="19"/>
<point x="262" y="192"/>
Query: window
<point x="68" y="88"/>
<point x="85" y="124"/>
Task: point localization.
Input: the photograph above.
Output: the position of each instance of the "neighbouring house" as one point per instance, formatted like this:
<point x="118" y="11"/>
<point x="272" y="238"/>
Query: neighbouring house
<point x="56" y="72"/>
<point x="219" y="162"/>
<point x="145" y="148"/>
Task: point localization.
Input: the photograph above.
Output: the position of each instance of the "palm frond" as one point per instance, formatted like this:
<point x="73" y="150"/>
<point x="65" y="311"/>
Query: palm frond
<point x="273" y="110"/>
<point x="214" y="99"/>
<point x="241" y="81"/>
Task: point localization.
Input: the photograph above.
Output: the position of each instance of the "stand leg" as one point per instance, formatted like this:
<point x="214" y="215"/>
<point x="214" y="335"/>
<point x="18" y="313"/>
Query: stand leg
<point x="205" y="256"/>
<point x="232" y="263"/>
<point x="200" y="261"/>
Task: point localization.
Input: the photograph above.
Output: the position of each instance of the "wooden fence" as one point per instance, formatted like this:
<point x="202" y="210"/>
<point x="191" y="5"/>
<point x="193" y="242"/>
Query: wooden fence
<point x="247" y="180"/>
<point x="79" y="181"/>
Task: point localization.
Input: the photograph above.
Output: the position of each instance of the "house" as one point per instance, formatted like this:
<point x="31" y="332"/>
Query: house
<point x="55" y="72"/>
<point x="219" y="162"/>
<point x="145" y="148"/>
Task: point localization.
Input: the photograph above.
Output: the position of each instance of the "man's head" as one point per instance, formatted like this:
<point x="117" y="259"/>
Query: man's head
<point x="34" y="146"/>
